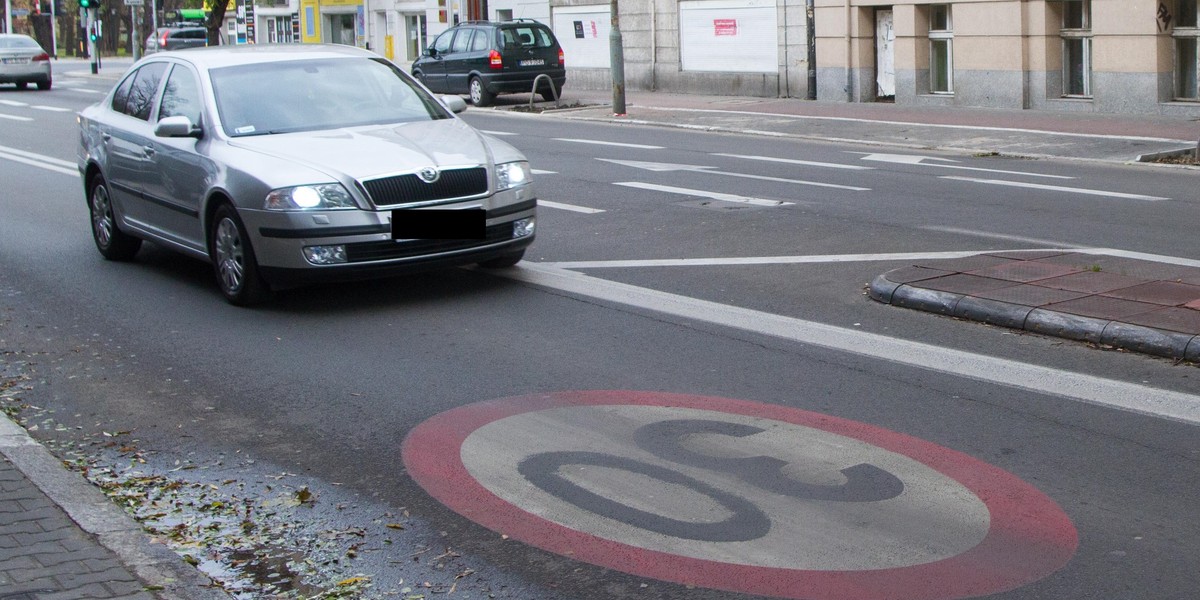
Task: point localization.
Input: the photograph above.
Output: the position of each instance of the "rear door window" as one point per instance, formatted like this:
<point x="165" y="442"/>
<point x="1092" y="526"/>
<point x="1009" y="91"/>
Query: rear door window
<point x="462" y="41"/>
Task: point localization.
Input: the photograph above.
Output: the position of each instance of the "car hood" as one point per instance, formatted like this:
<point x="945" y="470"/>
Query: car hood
<point x="376" y="151"/>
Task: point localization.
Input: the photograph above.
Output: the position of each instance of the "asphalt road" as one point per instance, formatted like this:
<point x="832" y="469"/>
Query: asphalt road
<point x="676" y="424"/>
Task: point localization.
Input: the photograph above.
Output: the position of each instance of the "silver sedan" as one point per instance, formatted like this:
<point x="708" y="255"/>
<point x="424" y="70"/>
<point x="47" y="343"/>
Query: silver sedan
<point x="289" y="164"/>
<point x="23" y="61"/>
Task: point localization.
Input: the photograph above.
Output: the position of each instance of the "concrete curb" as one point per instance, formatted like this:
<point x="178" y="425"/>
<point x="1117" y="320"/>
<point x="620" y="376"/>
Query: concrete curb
<point x="1136" y="338"/>
<point x="156" y="565"/>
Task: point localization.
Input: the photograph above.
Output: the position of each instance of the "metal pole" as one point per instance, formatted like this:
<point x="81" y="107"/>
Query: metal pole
<point x="617" y="61"/>
<point x="53" y="31"/>
<point x="93" y="50"/>
<point x="811" y="25"/>
<point x="135" y="18"/>
<point x="7" y="16"/>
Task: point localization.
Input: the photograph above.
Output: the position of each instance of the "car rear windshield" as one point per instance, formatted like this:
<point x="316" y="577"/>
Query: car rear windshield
<point x="308" y="95"/>
<point x="18" y="42"/>
<point x="527" y="36"/>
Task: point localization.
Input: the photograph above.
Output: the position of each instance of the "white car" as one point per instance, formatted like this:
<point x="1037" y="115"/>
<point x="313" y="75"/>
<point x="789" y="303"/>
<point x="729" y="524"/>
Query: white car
<point x="297" y="163"/>
<point x="23" y="61"/>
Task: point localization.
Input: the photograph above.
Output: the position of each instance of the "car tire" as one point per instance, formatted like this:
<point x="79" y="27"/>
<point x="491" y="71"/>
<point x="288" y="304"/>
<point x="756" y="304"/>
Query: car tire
<point x="478" y="92"/>
<point x="503" y="262"/>
<point x="45" y="84"/>
<point x="549" y="94"/>
<point x="112" y="243"/>
<point x="22" y="85"/>
<point x="233" y="259"/>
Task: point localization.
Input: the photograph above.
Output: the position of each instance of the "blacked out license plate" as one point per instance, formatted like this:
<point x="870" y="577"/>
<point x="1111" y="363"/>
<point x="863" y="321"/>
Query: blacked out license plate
<point x="438" y="224"/>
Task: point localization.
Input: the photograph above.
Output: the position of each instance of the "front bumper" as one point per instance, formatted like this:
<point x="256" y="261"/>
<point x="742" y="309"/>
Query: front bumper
<point x="279" y="240"/>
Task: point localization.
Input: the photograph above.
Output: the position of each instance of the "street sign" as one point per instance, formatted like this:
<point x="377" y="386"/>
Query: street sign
<point x="135" y="2"/>
<point x="739" y="496"/>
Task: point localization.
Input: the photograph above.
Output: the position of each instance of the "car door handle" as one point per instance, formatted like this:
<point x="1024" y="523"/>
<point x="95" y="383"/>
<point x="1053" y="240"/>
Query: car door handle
<point x="148" y="150"/>
<point x="106" y="137"/>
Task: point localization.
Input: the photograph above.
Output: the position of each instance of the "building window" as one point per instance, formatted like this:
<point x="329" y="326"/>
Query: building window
<point x="1077" y="48"/>
<point x="1187" y="50"/>
<point x="279" y="30"/>
<point x="941" y="50"/>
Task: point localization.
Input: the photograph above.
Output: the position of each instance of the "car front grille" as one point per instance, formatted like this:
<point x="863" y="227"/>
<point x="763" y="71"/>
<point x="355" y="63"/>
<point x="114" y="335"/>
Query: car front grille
<point x="406" y="189"/>
<point x="389" y="250"/>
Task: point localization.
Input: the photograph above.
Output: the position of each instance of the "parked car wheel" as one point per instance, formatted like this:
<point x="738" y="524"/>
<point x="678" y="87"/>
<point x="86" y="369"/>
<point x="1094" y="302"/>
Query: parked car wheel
<point x="233" y="260"/>
<point x="550" y="93"/>
<point x="479" y="94"/>
<point x="503" y="262"/>
<point x="110" y="241"/>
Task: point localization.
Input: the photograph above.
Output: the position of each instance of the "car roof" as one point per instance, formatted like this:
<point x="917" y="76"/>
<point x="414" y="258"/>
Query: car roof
<point x="216" y="57"/>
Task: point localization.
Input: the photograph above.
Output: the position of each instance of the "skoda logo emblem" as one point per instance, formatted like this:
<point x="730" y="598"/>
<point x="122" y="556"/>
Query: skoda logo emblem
<point x="428" y="174"/>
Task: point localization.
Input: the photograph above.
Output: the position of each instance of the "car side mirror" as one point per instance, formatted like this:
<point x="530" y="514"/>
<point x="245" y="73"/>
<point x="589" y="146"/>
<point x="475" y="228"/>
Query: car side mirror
<point x="455" y="103"/>
<point x="431" y="52"/>
<point x="177" y="126"/>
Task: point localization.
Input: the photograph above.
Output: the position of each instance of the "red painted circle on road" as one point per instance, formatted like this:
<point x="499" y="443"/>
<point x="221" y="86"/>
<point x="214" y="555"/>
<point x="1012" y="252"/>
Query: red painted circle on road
<point x="1028" y="538"/>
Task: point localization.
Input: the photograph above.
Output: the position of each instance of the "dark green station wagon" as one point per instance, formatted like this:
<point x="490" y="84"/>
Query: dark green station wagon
<point x="483" y="58"/>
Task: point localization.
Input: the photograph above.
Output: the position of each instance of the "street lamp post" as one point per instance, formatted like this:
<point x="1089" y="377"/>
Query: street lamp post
<point x="811" y="25"/>
<point x="617" y="60"/>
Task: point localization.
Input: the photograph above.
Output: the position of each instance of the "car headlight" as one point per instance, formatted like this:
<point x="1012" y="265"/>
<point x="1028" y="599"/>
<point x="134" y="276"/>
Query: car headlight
<point x="513" y="174"/>
<point x="310" y="197"/>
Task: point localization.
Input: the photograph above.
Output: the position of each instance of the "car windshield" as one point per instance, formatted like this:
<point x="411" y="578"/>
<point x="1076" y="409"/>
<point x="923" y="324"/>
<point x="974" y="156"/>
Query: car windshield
<point x="18" y="42"/>
<point x="317" y="94"/>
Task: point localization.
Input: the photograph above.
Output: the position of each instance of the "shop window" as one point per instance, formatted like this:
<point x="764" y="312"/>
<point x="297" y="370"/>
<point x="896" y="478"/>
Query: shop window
<point x="1077" y="48"/>
<point x="1187" y="50"/>
<point x="941" y="50"/>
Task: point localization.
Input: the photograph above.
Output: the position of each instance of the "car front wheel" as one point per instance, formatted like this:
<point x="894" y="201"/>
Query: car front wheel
<point x="110" y="241"/>
<point x="233" y="260"/>
<point x="480" y="96"/>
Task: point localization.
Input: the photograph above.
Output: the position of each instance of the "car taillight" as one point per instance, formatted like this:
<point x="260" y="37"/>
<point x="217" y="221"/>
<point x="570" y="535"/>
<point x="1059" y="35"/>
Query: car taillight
<point x="162" y="42"/>
<point x="562" y="60"/>
<point x="495" y="60"/>
<point x="41" y="57"/>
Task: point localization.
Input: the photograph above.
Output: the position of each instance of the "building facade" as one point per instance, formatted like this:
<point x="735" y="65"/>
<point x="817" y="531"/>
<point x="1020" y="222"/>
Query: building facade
<point x="1116" y="56"/>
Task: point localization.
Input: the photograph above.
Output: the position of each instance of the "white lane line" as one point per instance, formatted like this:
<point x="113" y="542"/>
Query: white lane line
<point x="1000" y="236"/>
<point x="50" y="108"/>
<point x="541" y="172"/>
<point x="704" y="194"/>
<point x="12" y="103"/>
<point x="570" y="207"/>
<point x="491" y="132"/>
<point x="1099" y="136"/>
<point x="38" y="157"/>
<point x="85" y="90"/>
<point x="791" y="161"/>
<point x="664" y="167"/>
<point x="14" y="117"/>
<point x="1055" y="188"/>
<point x="40" y="164"/>
<point x="603" y="143"/>
<point x="765" y="260"/>
<point x="1034" y="378"/>
<point x="909" y="159"/>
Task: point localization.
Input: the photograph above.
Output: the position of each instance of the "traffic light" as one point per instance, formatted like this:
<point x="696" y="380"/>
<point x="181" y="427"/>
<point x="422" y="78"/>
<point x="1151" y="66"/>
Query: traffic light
<point x="89" y="3"/>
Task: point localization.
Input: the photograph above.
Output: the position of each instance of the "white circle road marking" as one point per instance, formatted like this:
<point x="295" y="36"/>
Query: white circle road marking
<point x="739" y="496"/>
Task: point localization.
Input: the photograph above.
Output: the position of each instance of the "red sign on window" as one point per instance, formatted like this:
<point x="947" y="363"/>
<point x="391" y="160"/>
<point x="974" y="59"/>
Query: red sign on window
<point x="725" y="26"/>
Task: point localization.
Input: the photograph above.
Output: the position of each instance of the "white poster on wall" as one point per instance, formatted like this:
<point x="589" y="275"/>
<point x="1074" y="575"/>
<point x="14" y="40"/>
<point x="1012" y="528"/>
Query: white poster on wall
<point x="582" y="31"/>
<point x="729" y="36"/>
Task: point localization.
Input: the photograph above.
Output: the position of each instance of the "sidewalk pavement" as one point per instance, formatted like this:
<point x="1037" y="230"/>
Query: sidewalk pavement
<point x="61" y="539"/>
<point x="1106" y="297"/>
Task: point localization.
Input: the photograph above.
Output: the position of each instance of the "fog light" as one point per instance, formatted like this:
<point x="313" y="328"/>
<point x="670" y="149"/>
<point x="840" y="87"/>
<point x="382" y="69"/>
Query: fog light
<point x="523" y="227"/>
<point x="325" y="255"/>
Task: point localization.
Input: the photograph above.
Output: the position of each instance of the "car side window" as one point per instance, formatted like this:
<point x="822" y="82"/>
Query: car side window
<point x="480" y="42"/>
<point x="121" y="96"/>
<point x="442" y="43"/>
<point x="181" y="97"/>
<point x="462" y="41"/>
<point x="145" y="87"/>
